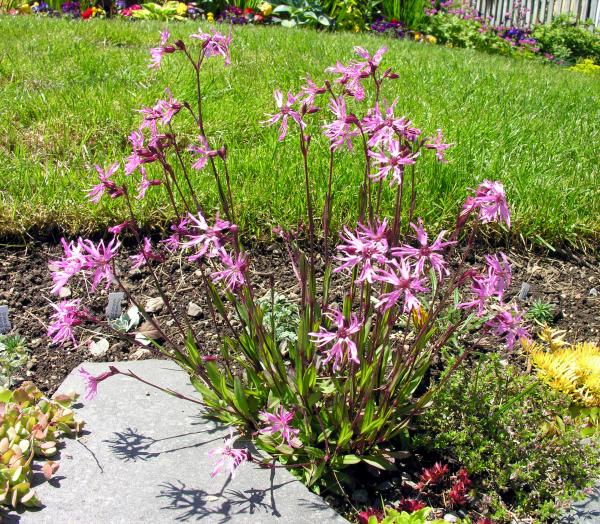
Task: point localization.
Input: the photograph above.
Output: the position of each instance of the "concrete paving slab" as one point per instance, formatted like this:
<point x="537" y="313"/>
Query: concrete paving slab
<point x="584" y="512"/>
<point x="144" y="460"/>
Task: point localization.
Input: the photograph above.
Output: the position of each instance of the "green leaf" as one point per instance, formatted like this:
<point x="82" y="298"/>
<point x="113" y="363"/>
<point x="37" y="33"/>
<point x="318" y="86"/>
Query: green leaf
<point x="379" y="462"/>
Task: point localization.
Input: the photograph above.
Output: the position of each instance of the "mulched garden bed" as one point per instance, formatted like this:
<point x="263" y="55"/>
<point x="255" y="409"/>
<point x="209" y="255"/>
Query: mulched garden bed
<point x="570" y="283"/>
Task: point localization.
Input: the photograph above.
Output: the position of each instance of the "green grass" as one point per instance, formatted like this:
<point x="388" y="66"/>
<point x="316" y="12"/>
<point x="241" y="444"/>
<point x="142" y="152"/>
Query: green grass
<point x="69" y="90"/>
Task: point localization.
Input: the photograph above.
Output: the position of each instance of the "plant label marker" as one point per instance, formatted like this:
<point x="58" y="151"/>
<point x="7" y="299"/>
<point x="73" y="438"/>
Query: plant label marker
<point x="4" y="321"/>
<point x="113" y="309"/>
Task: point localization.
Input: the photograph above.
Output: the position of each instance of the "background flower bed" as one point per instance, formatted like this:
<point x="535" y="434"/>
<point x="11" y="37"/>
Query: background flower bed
<point x="68" y="107"/>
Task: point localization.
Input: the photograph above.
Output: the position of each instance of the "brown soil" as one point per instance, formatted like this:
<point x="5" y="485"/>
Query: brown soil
<point x="571" y="286"/>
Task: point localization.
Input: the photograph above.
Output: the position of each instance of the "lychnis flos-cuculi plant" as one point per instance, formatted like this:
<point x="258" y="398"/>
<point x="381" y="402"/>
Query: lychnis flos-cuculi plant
<point x="352" y="379"/>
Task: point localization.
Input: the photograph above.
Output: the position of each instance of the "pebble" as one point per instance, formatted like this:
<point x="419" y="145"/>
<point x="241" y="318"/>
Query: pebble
<point x="154" y="305"/>
<point x="451" y="517"/>
<point x="593" y="292"/>
<point x="524" y="292"/>
<point x="140" y="353"/>
<point x="64" y="292"/>
<point x="194" y="310"/>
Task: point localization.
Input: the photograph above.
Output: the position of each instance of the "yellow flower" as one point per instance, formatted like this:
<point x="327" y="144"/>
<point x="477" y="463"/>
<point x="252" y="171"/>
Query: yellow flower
<point x="418" y="36"/>
<point x="25" y="9"/>
<point x="431" y="39"/>
<point x="210" y="17"/>
<point x="181" y="9"/>
<point x="265" y="8"/>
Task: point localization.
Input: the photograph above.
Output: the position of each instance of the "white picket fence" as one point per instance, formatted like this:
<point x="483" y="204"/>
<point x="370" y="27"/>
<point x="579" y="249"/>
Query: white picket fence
<point x="532" y="12"/>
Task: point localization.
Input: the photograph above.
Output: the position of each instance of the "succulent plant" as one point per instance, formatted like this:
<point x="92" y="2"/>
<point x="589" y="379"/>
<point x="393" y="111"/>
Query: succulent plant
<point x="31" y="426"/>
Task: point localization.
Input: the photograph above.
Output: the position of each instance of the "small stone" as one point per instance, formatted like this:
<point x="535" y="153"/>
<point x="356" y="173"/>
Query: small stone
<point x="140" y="353"/>
<point x="64" y="292"/>
<point x="593" y="292"/>
<point x="451" y="517"/>
<point x="99" y="348"/>
<point x="361" y="496"/>
<point x="154" y="305"/>
<point x="194" y="310"/>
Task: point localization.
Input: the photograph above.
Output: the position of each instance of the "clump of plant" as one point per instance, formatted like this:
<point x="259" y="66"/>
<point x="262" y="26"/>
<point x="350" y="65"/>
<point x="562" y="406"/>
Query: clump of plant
<point x="586" y="66"/>
<point x="568" y="40"/>
<point x="349" y="384"/>
<point x="574" y="370"/>
<point x="541" y="312"/>
<point x="393" y="516"/>
<point x="14" y="354"/>
<point x="31" y="427"/>
<point x="281" y="316"/>
<point x="500" y="424"/>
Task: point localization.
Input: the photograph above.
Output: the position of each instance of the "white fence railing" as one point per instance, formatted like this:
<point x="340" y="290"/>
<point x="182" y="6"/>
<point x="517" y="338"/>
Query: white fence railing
<point x="531" y="12"/>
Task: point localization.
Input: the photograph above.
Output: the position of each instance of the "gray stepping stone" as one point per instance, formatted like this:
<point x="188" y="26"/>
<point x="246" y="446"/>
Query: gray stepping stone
<point x="144" y="459"/>
<point x="585" y="512"/>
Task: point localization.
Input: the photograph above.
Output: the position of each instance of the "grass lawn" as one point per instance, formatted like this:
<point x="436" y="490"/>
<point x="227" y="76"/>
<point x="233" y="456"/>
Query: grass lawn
<point x="69" y="90"/>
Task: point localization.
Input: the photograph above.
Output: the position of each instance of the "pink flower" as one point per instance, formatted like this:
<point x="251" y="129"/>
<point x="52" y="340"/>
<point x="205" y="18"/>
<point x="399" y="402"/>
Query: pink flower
<point x="157" y="53"/>
<point x="350" y="78"/>
<point x="68" y="266"/>
<point x="180" y="230"/>
<point x="229" y="457"/>
<point x="145" y="255"/>
<point x="366" y="248"/>
<point x="207" y="240"/>
<point x="279" y="422"/>
<point x="399" y="156"/>
<point x="285" y="112"/>
<point x="167" y="109"/>
<point x="68" y="314"/>
<point x="233" y="272"/>
<point x="490" y="200"/>
<point x="432" y="254"/>
<point x="404" y="283"/>
<point x="371" y="63"/>
<point x="105" y="184"/>
<point x="214" y="45"/>
<point x="508" y="324"/>
<point x="383" y="128"/>
<point x="98" y="260"/>
<point x="140" y="155"/>
<point x="340" y="130"/>
<point x="145" y="184"/>
<point x="483" y="288"/>
<point x="343" y="348"/>
<point x="437" y="144"/>
<point x="119" y="228"/>
<point x="203" y="151"/>
<point x="91" y="382"/>
<point x="499" y="272"/>
<point x="310" y="92"/>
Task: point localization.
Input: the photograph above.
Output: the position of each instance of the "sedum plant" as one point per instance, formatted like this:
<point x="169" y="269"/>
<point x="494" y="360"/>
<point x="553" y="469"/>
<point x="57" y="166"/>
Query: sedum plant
<point x="352" y="380"/>
<point x="30" y="428"/>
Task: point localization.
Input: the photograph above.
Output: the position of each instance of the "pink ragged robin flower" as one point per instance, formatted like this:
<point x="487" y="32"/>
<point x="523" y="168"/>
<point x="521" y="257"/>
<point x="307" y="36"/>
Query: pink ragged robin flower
<point x="279" y="422"/>
<point x="233" y="274"/>
<point x="500" y="272"/>
<point x="425" y="253"/>
<point x="203" y="151"/>
<point x="371" y="63"/>
<point x="214" y="44"/>
<point x="180" y="230"/>
<point x="167" y="109"/>
<point x="490" y="201"/>
<point x="91" y="382"/>
<point x="284" y="113"/>
<point x="437" y="144"/>
<point x="230" y="458"/>
<point x="206" y="240"/>
<point x="106" y="185"/>
<point x="340" y="131"/>
<point x="343" y="347"/>
<point x="365" y="248"/>
<point x="98" y="260"/>
<point x="146" y="184"/>
<point x="382" y="126"/>
<point x="483" y="289"/>
<point x="146" y="255"/>
<point x="68" y="266"/>
<point x="140" y="154"/>
<point x="157" y="53"/>
<point x="405" y="285"/>
<point x="68" y="314"/>
<point x="508" y="324"/>
<point x="310" y="91"/>
<point x="119" y="228"/>
<point x="398" y="156"/>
